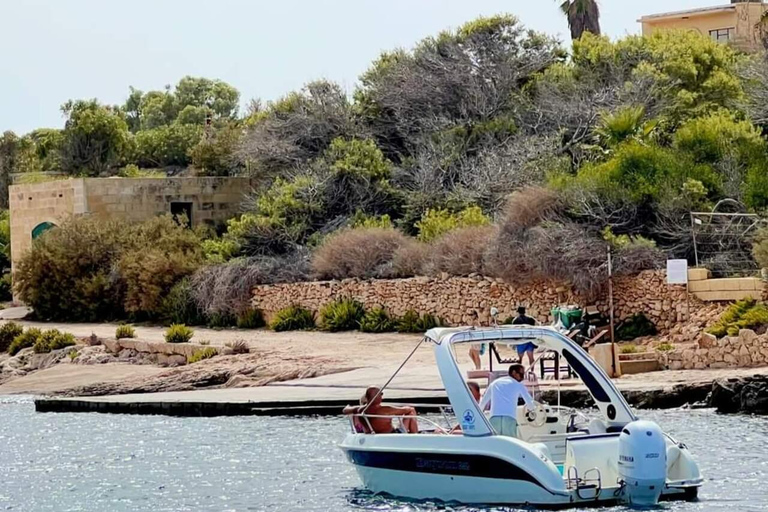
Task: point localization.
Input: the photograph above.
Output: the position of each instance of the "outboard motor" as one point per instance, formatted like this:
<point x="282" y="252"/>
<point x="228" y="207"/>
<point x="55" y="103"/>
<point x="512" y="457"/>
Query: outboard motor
<point x="642" y="463"/>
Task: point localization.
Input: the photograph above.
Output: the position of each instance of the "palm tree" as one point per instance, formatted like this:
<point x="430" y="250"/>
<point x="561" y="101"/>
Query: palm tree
<point x="583" y="16"/>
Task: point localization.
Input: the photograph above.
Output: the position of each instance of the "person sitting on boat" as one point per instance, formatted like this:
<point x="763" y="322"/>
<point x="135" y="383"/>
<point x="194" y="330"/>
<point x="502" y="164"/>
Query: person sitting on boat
<point x="525" y="348"/>
<point x="371" y="414"/>
<point x="503" y="395"/>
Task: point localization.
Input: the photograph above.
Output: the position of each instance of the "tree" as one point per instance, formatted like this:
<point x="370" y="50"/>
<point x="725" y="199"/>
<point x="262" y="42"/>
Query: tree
<point x="215" y="154"/>
<point x="583" y="16"/>
<point x="166" y="145"/>
<point x="94" y="139"/>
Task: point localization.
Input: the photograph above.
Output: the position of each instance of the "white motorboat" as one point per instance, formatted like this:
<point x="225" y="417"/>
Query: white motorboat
<point x="562" y="458"/>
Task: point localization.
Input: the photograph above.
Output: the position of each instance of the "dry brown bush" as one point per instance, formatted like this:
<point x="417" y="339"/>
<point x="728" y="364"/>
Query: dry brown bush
<point x="365" y="253"/>
<point x="462" y="251"/>
<point x="527" y="207"/>
<point x="411" y="259"/>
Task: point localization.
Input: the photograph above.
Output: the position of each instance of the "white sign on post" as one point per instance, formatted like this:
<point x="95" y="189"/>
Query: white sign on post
<point x="677" y="271"/>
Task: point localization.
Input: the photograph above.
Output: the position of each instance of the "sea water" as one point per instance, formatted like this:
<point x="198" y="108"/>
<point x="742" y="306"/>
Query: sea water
<point x="100" y="463"/>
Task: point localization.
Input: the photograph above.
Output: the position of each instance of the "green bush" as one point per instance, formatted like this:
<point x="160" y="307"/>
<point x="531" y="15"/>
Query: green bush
<point x="89" y="269"/>
<point x="730" y="317"/>
<point x="179" y="306"/>
<point x="409" y="322"/>
<point x="293" y="318"/>
<point x="435" y="223"/>
<point x="634" y="327"/>
<point x="221" y="320"/>
<point x="8" y="333"/>
<point x="24" y="340"/>
<point x="665" y="347"/>
<point x="377" y="320"/>
<point x="124" y="331"/>
<point x="251" y="319"/>
<point x="178" y="333"/>
<point x="203" y="353"/>
<point x="342" y="315"/>
<point x="52" y="339"/>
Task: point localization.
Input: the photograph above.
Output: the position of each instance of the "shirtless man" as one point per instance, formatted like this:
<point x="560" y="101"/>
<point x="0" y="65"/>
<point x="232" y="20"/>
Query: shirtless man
<point x="373" y="397"/>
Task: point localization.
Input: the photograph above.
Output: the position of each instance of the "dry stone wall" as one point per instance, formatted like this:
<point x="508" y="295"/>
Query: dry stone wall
<point x="748" y="349"/>
<point x="456" y="299"/>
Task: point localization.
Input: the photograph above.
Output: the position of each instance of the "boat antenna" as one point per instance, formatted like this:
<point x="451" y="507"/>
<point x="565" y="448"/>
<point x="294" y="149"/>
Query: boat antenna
<point x="382" y="388"/>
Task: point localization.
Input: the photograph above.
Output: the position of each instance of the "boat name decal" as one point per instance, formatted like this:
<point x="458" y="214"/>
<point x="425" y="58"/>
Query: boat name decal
<point x="443" y="465"/>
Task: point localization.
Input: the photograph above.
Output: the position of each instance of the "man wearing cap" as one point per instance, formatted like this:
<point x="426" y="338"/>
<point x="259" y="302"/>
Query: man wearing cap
<point x="525" y="348"/>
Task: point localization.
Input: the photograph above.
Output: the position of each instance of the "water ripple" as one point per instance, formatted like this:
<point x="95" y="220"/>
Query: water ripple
<point x="97" y="462"/>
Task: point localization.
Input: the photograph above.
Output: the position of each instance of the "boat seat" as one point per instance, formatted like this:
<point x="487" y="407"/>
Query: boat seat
<point x="597" y="426"/>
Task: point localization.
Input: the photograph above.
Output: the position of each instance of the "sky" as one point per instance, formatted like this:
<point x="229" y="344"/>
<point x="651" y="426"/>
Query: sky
<point x="57" y="50"/>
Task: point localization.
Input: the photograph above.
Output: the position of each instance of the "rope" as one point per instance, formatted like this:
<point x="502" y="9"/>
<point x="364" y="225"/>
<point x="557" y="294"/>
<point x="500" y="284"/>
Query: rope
<point x="381" y="390"/>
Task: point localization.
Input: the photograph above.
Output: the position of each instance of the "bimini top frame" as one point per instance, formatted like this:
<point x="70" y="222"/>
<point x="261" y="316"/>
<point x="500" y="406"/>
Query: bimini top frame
<point x="609" y="400"/>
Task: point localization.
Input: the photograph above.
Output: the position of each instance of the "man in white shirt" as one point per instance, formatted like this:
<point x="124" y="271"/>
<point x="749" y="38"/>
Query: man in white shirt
<point x="503" y="395"/>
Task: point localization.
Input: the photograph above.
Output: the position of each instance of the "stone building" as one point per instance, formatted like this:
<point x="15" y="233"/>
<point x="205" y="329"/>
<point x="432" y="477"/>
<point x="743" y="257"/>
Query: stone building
<point x="37" y="207"/>
<point x="740" y="23"/>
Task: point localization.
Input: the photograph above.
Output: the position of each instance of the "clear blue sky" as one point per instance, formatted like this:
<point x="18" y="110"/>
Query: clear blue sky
<point x="55" y="50"/>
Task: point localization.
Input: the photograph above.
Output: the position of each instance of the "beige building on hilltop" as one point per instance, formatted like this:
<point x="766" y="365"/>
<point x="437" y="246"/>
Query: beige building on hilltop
<point x="36" y="208"/>
<point x="740" y="23"/>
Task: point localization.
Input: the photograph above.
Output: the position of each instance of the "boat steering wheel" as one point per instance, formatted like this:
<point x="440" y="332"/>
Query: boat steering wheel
<point x="537" y="417"/>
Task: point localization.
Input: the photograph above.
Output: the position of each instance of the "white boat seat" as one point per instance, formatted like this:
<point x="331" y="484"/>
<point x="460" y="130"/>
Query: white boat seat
<point x="597" y="426"/>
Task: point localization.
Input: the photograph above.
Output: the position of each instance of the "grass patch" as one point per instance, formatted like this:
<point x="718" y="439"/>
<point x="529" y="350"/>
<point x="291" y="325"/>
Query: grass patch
<point x="203" y="353"/>
<point x="124" y="331"/>
<point x="178" y="333"/>
<point x="238" y="346"/>
<point x="665" y="347"/>
<point x="293" y="318"/>
<point x="628" y="349"/>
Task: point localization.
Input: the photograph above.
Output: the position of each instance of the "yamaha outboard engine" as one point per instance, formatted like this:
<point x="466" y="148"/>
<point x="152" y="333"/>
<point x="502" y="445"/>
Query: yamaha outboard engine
<point x="642" y="463"/>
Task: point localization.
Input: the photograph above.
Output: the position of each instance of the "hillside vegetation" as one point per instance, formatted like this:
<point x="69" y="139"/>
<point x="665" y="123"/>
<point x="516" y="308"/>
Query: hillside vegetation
<point x="486" y="149"/>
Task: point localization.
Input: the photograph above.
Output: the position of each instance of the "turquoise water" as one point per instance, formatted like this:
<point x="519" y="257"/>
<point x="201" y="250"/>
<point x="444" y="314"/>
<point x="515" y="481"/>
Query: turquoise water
<point x="99" y="463"/>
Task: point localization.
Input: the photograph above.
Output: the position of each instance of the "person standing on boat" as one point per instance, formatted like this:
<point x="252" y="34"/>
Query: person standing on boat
<point x="503" y="395"/>
<point x="525" y="348"/>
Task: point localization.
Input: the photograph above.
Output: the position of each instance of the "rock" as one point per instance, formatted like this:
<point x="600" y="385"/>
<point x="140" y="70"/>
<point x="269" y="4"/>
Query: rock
<point x="707" y="340"/>
<point x="724" y="396"/>
<point x="754" y="398"/>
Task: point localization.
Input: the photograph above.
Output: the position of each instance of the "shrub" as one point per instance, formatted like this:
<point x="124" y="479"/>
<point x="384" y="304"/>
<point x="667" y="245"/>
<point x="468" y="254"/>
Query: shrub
<point x="221" y="320"/>
<point x="24" y="340"/>
<point x="238" y="346"/>
<point x="411" y="322"/>
<point x="88" y="269"/>
<point x="435" y="223"/>
<point x="124" y="331"/>
<point x="628" y="349"/>
<point x="754" y="318"/>
<point x="8" y="332"/>
<point x="411" y="259"/>
<point x="250" y="319"/>
<point x="634" y="327"/>
<point x="377" y="320"/>
<point x="527" y="207"/>
<point x="342" y="315"/>
<point x="731" y="316"/>
<point x="52" y="340"/>
<point x="665" y="347"/>
<point x="178" y="333"/>
<point x="179" y="306"/>
<point x="203" y="353"/>
<point x="293" y="318"/>
<point x="365" y="253"/>
<point x="462" y="251"/>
